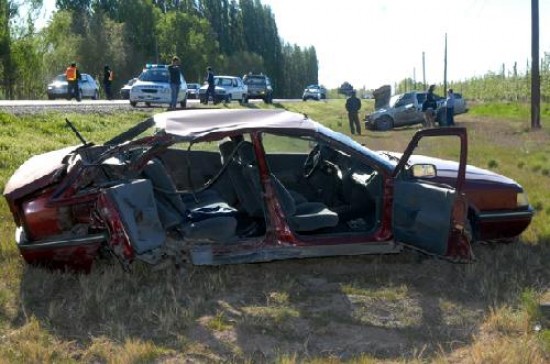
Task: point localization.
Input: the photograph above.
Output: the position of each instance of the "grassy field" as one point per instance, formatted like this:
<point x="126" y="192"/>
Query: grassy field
<point x="366" y="309"/>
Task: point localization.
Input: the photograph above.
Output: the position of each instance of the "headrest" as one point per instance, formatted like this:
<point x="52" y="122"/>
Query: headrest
<point x="246" y="153"/>
<point x="226" y="148"/>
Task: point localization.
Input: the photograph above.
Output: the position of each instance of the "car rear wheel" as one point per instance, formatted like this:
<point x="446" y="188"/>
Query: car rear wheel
<point x="133" y="103"/>
<point x="228" y="99"/>
<point x="183" y="103"/>
<point x="244" y="100"/>
<point x="148" y="104"/>
<point x="384" y="123"/>
<point x="96" y="95"/>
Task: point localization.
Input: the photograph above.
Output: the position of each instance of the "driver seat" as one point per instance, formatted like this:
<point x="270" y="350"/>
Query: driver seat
<point x="302" y="216"/>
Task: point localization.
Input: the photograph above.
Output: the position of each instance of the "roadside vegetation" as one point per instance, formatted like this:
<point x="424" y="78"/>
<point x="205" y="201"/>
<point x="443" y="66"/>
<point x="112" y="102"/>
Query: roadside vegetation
<point x="234" y="37"/>
<point x="403" y="308"/>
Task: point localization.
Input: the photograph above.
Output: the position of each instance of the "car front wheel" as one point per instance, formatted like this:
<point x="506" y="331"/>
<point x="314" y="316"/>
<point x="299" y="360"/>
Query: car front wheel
<point x="384" y="123"/>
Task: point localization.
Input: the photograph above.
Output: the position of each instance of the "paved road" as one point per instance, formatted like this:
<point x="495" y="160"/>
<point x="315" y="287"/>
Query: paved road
<point x="85" y="106"/>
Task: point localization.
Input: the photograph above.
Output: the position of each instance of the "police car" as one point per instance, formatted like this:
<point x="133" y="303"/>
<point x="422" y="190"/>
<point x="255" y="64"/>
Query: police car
<point x="153" y="87"/>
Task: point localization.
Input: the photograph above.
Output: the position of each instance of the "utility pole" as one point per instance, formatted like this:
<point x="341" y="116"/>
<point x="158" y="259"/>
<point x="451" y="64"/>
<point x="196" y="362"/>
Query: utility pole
<point x="535" y="77"/>
<point x="445" y="67"/>
<point x="424" y="69"/>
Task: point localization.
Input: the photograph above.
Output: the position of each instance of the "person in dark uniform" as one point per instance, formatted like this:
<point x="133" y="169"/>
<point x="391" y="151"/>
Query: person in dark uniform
<point x="175" y="81"/>
<point x="429" y="107"/>
<point x="210" y="91"/>
<point x="108" y="76"/>
<point x="353" y="105"/>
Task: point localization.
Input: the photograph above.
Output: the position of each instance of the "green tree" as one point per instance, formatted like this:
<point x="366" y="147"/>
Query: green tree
<point x="189" y="37"/>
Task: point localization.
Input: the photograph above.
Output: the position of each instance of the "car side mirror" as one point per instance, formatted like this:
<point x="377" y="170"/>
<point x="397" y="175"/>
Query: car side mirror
<point x="423" y="171"/>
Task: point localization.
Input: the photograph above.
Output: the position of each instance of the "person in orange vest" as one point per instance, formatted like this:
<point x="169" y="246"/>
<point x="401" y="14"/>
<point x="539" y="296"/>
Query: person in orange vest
<point x="108" y="77"/>
<point x="72" y="74"/>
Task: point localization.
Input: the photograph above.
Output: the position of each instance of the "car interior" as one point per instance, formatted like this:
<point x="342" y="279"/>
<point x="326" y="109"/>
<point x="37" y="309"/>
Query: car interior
<point x="214" y="192"/>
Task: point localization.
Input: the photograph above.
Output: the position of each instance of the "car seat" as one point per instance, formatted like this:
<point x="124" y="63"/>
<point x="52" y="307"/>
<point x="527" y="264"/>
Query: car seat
<point x="302" y="216"/>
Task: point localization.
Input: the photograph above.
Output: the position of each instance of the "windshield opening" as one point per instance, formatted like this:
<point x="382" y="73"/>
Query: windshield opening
<point x="154" y="75"/>
<point x="254" y="81"/>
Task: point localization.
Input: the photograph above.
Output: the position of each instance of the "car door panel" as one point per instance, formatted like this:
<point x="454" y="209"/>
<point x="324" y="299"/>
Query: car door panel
<point x="421" y="223"/>
<point x="427" y="215"/>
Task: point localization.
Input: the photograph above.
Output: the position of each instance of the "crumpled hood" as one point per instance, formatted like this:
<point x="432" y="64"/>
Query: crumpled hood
<point x="36" y="173"/>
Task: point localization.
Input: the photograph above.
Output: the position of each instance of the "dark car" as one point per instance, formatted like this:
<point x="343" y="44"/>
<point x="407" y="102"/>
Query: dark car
<point x="218" y="186"/>
<point x="259" y="87"/>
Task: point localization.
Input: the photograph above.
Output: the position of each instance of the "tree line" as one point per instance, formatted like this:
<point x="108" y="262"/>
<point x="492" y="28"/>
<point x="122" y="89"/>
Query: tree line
<point x="235" y="37"/>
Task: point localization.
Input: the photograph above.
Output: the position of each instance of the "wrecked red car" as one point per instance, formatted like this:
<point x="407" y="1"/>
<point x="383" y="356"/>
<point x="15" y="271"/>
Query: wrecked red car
<point x="214" y="187"/>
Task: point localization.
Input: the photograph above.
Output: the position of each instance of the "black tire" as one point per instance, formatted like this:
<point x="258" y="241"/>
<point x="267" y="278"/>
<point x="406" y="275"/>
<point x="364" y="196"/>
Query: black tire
<point x="304" y="99"/>
<point x="133" y="103"/>
<point x="227" y="99"/>
<point x="384" y="123"/>
<point x="148" y="104"/>
<point x="183" y="103"/>
<point x="51" y="97"/>
<point x="243" y="100"/>
<point x="96" y="95"/>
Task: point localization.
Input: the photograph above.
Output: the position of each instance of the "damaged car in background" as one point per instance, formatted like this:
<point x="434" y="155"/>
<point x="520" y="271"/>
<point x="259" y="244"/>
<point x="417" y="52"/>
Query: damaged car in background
<point x="212" y="187"/>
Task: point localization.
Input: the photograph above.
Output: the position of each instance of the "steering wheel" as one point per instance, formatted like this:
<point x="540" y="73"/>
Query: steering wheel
<point x="312" y="161"/>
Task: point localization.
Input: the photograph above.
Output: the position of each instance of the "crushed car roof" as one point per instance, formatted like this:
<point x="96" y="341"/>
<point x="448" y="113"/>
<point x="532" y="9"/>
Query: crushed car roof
<point x="194" y="124"/>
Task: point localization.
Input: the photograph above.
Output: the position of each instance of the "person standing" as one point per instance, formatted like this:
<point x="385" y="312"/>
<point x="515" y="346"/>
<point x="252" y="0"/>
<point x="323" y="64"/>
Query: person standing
<point x="210" y="91"/>
<point x="429" y="107"/>
<point x="450" y="102"/>
<point x="353" y="105"/>
<point x="72" y="74"/>
<point x="175" y="81"/>
<point x="108" y="76"/>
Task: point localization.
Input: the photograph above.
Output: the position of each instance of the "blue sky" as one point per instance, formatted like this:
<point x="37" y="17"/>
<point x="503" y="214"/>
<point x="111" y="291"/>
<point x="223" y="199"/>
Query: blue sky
<point x="374" y="42"/>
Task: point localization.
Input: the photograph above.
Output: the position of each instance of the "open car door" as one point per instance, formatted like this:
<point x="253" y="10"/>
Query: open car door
<point x="428" y="215"/>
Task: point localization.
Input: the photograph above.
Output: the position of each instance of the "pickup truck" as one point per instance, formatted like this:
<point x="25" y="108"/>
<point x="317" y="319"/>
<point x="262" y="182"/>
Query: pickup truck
<point x="403" y="109"/>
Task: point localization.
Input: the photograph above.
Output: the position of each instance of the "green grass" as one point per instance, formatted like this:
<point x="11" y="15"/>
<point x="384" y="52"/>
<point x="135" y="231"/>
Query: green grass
<point x="509" y="110"/>
<point x="365" y="309"/>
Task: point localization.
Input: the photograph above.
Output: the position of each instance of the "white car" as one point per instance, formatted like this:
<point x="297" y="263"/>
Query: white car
<point x="314" y="92"/>
<point x="227" y="88"/>
<point x="193" y="90"/>
<point x="87" y="86"/>
<point x="153" y="87"/>
<point x="460" y="104"/>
